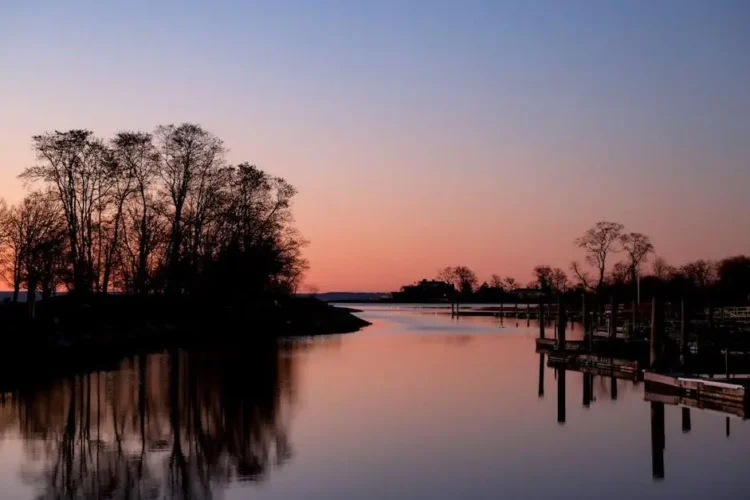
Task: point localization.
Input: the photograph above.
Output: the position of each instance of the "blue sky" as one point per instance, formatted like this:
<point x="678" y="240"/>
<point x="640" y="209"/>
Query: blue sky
<point x="396" y="116"/>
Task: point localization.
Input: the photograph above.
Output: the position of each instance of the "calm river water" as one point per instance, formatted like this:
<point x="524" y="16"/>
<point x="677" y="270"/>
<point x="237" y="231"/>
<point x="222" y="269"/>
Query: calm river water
<point x="417" y="406"/>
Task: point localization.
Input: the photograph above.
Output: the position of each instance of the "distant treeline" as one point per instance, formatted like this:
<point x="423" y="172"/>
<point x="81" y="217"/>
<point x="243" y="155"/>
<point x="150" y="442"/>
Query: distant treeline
<point x="638" y="269"/>
<point x="149" y="213"/>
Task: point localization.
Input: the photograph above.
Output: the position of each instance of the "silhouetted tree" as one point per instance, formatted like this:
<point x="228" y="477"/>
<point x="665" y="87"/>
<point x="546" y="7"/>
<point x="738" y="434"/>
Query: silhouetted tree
<point x="37" y="237"/>
<point x="73" y="164"/>
<point x="143" y="228"/>
<point x="511" y="285"/>
<point x="253" y="247"/>
<point x="599" y="243"/>
<point x="734" y="278"/>
<point x="559" y="280"/>
<point x="701" y="273"/>
<point x="446" y="275"/>
<point x="461" y="277"/>
<point x="543" y="276"/>
<point x="637" y="246"/>
<point x="165" y="213"/>
<point x="188" y="159"/>
<point x="497" y="282"/>
<point x="11" y="241"/>
<point x="661" y="269"/>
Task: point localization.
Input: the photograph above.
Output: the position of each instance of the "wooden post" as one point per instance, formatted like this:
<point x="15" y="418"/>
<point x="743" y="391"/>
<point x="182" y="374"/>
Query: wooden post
<point x="635" y="317"/>
<point x="657" y="440"/>
<point x="587" y="389"/>
<point x="686" y="426"/>
<point x="613" y="318"/>
<point x="613" y="388"/>
<point x="584" y="320"/>
<point x="684" y="351"/>
<point x="561" y="395"/>
<point x="541" y="374"/>
<point x="541" y="320"/>
<point x="561" y="322"/>
<point x="655" y="343"/>
<point x="727" y="426"/>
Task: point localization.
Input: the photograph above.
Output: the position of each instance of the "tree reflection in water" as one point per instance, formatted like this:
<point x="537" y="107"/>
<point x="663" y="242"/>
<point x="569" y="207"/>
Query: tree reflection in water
<point x="178" y="424"/>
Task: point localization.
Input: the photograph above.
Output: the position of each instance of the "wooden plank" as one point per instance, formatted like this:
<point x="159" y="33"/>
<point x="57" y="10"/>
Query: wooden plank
<point x="724" y="408"/>
<point x="706" y="391"/>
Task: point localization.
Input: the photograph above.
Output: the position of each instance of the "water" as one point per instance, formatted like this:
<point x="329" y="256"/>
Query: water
<point x="418" y="406"/>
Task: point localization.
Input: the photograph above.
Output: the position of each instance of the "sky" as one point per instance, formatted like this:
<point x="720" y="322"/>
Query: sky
<point x="420" y="134"/>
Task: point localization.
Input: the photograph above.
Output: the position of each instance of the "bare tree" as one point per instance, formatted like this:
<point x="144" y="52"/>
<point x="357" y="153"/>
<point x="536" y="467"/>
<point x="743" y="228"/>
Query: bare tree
<point x="638" y="246"/>
<point x="543" y="276"/>
<point x="137" y="161"/>
<point x="497" y="282"/>
<point x="41" y="229"/>
<point x="186" y="154"/>
<point x="461" y="277"/>
<point x="11" y="242"/>
<point x="164" y="214"/>
<point x="662" y="269"/>
<point x="599" y="243"/>
<point x="511" y="285"/>
<point x="466" y="280"/>
<point x="702" y="273"/>
<point x="559" y="280"/>
<point x="73" y="165"/>
<point x="620" y="273"/>
<point x="446" y="275"/>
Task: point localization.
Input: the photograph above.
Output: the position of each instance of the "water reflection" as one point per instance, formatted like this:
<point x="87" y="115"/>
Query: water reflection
<point x="658" y="441"/>
<point x="177" y="424"/>
<point x="416" y="406"/>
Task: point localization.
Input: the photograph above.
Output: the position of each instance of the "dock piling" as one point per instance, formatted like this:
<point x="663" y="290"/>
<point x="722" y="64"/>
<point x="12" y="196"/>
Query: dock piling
<point x="541" y="320"/>
<point x="541" y="375"/>
<point x="613" y="318"/>
<point x="656" y="347"/>
<point x="613" y="388"/>
<point x="561" y="395"/>
<point x="561" y="322"/>
<point x="686" y="425"/>
<point x="587" y="383"/>
<point x="683" y="334"/>
<point x="657" y="440"/>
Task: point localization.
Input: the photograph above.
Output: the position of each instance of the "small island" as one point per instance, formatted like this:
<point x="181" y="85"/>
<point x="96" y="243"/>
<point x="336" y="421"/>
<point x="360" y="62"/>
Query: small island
<point x="152" y="240"/>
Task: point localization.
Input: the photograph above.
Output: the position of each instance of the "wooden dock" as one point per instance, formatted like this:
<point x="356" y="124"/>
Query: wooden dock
<point x="728" y="396"/>
<point x="596" y="364"/>
<point x="545" y="345"/>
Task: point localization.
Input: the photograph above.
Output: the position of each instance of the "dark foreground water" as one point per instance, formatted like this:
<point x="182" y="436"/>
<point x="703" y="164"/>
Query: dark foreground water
<point x="416" y="406"/>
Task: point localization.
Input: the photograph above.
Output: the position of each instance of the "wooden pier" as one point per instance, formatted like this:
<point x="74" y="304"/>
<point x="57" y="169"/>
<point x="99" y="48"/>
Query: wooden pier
<point x="729" y="396"/>
<point x="595" y="364"/>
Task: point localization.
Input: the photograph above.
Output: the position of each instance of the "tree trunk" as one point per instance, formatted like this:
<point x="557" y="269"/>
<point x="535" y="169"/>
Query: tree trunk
<point x="31" y="298"/>
<point x="109" y="258"/>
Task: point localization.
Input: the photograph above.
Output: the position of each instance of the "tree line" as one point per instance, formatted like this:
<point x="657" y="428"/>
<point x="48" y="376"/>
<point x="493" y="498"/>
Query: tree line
<point x="147" y="213"/>
<point x="616" y="265"/>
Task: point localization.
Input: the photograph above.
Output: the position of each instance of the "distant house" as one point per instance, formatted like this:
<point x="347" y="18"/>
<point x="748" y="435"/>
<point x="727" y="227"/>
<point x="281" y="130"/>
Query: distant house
<point x="425" y="291"/>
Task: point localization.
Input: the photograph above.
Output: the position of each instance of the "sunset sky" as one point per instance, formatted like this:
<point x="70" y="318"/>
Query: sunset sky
<point x="420" y="134"/>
